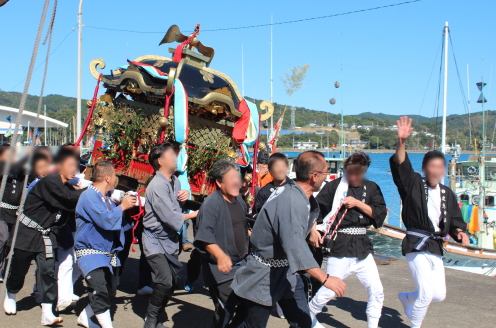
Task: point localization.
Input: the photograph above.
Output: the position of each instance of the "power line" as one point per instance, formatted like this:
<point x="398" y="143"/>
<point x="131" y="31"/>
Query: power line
<point x="43" y="62"/>
<point x="264" y="25"/>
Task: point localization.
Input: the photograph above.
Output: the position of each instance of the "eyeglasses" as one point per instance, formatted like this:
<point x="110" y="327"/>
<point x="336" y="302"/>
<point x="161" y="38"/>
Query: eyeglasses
<point x="321" y="172"/>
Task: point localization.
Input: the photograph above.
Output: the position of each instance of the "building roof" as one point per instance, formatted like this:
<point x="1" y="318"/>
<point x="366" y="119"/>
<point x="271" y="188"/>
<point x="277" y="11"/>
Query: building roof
<point x="29" y="117"/>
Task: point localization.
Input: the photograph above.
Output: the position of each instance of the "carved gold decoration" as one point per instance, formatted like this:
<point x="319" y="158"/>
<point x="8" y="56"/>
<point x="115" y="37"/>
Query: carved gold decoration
<point x="224" y="91"/>
<point x="159" y="63"/>
<point x="106" y="98"/>
<point x="170" y="80"/>
<point x="270" y="110"/>
<point x="174" y="35"/>
<point x="214" y="96"/>
<point x="97" y="62"/>
<point x="133" y="87"/>
<point x="88" y="103"/>
<point x="207" y="76"/>
<point x="227" y="79"/>
<point x="152" y="57"/>
<point x="262" y="146"/>
<point x="231" y="153"/>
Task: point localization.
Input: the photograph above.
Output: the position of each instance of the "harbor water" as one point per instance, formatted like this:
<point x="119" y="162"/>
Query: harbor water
<point x="379" y="172"/>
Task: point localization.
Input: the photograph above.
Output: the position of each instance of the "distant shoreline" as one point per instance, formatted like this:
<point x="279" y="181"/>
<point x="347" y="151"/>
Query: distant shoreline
<point x="375" y="151"/>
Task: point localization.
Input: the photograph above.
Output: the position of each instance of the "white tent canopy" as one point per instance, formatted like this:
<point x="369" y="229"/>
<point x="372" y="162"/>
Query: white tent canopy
<point x="29" y="117"/>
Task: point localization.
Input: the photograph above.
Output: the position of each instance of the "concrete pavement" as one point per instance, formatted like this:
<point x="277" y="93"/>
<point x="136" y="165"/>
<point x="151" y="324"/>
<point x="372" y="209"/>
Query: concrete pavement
<point x="471" y="302"/>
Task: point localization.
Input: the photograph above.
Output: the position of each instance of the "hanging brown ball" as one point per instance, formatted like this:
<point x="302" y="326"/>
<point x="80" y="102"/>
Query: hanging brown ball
<point x="250" y="199"/>
<point x="162" y="121"/>
<point x="248" y="177"/>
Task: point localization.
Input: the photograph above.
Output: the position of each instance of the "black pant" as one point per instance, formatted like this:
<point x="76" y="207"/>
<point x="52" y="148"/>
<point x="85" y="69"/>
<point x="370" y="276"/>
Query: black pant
<point x="5" y="229"/>
<point x="145" y="272"/>
<point x="47" y="284"/>
<point x="163" y="278"/>
<point x="102" y="287"/>
<point x="194" y="265"/>
<point x="293" y="305"/>
<point x="226" y="305"/>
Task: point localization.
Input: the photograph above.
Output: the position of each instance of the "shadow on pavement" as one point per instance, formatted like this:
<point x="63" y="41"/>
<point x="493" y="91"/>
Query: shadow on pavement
<point x="390" y="317"/>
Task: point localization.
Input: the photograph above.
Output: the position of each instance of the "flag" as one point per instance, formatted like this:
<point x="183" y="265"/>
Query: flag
<point x="275" y="134"/>
<point x="38" y="140"/>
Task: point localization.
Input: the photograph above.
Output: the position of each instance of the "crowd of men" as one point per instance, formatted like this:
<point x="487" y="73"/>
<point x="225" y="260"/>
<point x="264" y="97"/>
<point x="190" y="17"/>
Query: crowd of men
<point x="252" y="259"/>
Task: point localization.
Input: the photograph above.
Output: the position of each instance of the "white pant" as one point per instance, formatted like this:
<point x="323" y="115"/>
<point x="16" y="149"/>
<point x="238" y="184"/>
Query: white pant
<point x="67" y="274"/>
<point x="366" y="272"/>
<point x="427" y="272"/>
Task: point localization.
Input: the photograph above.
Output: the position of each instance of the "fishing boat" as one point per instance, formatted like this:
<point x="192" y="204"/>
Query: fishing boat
<point x="474" y="183"/>
<point x="334" y="164"/>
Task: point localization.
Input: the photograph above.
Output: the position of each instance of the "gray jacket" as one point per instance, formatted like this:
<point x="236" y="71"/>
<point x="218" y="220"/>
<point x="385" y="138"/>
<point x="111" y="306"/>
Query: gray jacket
<point x="214" y="225"/>
<point x="280" y="232"/>
<point x="164" y="216"/>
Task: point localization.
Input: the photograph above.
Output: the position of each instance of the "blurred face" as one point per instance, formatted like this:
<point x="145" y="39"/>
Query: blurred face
<point x="111" y="181"/>
<point x="434" y="170"/>
<point x="319" y="176"/>
<point x="278" y="170"/>
<point x="230" y="184"/>
<point x="68" y="168"/>
<point x="355" y="175"/>
<point x="168" y="160"/>
<point x="263" y="169"/>
<point x="41" y="168"/>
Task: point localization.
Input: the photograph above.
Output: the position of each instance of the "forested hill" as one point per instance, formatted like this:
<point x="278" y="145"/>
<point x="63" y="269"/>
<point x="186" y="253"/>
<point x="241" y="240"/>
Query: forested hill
<point x="64" y="108"/>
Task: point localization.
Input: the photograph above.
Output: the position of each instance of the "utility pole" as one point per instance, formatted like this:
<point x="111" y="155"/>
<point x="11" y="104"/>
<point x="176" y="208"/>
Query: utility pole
<point x="377" y="145"/>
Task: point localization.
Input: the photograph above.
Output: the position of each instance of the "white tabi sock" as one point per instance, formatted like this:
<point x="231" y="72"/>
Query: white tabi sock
<point x="84" y="318"/>
<point x="372" y="322"/>
<point x="315" y="322"/>
<point x="47" y="316"/>
<point x="104" y="319"/>
<point x="9" y="305"/>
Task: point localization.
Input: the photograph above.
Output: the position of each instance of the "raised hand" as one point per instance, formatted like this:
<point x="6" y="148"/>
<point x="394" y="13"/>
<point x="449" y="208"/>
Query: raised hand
<point x="404" y="127"/>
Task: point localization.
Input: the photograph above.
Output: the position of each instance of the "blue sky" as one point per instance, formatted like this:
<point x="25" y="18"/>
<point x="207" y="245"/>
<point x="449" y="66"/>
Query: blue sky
<point x="387" y="55"/>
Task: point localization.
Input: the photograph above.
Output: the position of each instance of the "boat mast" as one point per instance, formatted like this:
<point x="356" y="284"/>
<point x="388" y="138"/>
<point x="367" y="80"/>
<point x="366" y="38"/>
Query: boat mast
<point x="482" y="172"/>
<point x="445" y="104"/>
<point x="468" y="100"/>
<point x="445" y="91"/>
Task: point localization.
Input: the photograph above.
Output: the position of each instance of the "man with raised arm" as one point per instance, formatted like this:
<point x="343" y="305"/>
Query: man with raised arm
<point x="430" y="212"/>
<point x="280" y="253"/>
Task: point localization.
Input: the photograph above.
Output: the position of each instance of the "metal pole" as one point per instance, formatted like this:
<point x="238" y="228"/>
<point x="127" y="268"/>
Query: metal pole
<point x="243" y="69"/>
<point x="45" y="126"/>
<point x="80" y="74"/>
<point x="469" y="119"/>
<point x="445" y="105"/>
<point x="271" y="79"/>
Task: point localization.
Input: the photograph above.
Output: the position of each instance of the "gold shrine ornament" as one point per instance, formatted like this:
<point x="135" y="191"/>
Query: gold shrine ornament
<point x="262" y="146"/>
<point x="250" y="199"/>
<point x="248" y="177"/>
<point x="162" y="122"/>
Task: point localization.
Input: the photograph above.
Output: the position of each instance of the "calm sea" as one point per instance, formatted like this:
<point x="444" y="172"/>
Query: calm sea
<point x="379" y="173"/>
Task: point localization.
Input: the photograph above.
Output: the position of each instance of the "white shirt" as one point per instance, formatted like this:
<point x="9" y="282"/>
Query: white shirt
<point x="434" y="206"/>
